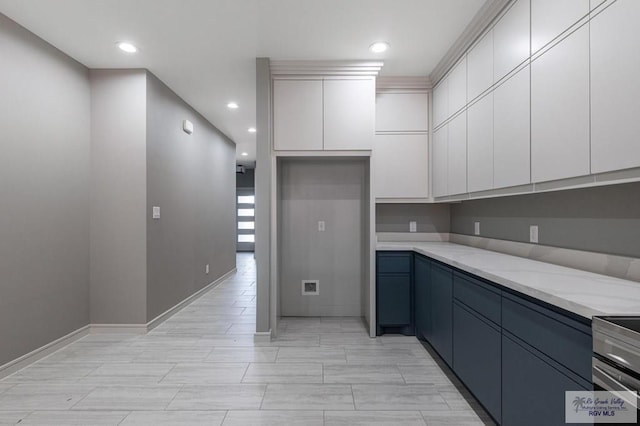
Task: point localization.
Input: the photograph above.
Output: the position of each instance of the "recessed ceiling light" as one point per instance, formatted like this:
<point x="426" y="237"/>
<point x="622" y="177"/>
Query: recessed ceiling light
<point x="125" y="46"/>
<point x="244" y="154"/>
<point x="379" y="46"/>
<point x="232" y="105"/>
<point x="251" y="129"/>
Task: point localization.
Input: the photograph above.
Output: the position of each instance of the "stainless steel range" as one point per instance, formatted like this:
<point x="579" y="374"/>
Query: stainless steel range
<point x="616" y="356"/>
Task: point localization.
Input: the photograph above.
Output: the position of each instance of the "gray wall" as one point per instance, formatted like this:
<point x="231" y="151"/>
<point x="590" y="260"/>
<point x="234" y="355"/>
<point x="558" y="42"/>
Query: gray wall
<point x="246" y="179"/>
<point x="118" y="197"/>
<point x="396" y="217"/>
<point x="44" y="188"/>
<point x="332" y="191"/>
<point x="265" y="317"/>
<point x="192" y="179"/>
<point x="604" y="219"/>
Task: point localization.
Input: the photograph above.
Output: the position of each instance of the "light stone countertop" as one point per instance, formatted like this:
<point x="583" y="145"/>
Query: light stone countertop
<point x="583" y="293"/>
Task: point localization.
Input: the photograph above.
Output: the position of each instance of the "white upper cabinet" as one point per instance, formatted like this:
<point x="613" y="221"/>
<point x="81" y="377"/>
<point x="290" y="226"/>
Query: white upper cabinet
<point x="480" y="144"/>
<point x="458" y="87"/>
<point x="596" y="3"/>
<point x="402" y="112"/>
<point x="441" y="102"/>
<point x="440" y="161"/>
<point x="400" y="166"/>
<point x="560" y="110"/>
<point x="511" y="131"/>
<point x="511" y="39"/>
<point x="480" y="67"/>
<point x="349" y="114"/>
<point x="297" y="115"/>
<point x="549" y="18"/>
<point x="615" y="87"/>
<point x="457" y="155"/>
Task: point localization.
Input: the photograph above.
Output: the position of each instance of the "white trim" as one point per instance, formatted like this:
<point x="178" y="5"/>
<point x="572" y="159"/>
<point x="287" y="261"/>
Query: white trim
<point x="43" y="351"/>
<point x="169" y="312"/>
<point x="309" y="68"/>
<point x="262" y="336"/>
<point x="118" y="328"/>
<point x="320" y="154"/>
<point x="403" y="84"/>
<point x="479" y="25"/>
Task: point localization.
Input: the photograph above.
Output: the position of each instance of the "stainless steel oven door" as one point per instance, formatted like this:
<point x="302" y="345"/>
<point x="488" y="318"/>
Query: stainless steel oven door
<point x="615" y="381"/>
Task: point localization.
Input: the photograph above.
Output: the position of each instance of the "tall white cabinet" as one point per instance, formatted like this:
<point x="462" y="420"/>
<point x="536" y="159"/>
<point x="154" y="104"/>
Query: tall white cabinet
<point x="615" y="87"/>
<point x="401" y="145"/>
<point x="551" y="101"/>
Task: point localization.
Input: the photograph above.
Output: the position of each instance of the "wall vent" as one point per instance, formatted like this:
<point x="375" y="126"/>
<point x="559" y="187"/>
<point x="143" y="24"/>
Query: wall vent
<point x="310" y="287"/>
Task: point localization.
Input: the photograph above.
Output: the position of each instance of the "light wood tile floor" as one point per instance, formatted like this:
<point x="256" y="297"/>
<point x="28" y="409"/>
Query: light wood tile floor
<point x="201" y="367"/>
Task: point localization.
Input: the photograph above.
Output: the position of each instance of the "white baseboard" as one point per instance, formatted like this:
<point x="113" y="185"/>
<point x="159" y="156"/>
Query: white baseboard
<point x="262" y="336"/>
<point x="171" y="311"/>
<point x="43" y="351"/>
<point x="118" y="328"/>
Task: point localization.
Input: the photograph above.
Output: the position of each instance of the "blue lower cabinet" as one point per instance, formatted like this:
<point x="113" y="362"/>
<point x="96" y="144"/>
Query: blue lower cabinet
<point x="477" y="357"/>
<point x="394" y="293"/>
<point x="422" y="297"/>
<point x="533" y="391"/>
<point x="394" y="300"/>
<point x="442" y="311"/>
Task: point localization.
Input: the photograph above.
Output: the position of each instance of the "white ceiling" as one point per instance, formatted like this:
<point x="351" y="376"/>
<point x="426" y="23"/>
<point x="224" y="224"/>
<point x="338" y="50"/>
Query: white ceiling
<point x="205" y="50"/>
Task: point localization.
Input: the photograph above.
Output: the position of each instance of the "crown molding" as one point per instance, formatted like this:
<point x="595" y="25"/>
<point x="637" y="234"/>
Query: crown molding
<point x="344" y="68"/>
<point x="403" y="83"/>
<point x="485" y="17"/>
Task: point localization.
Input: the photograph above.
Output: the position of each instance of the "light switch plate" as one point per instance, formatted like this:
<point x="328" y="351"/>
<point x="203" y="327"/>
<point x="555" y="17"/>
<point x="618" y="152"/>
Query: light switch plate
<point x="476" y="228"/>
<point x="533" y="234"/>
<point x="156" y="212"/>
<point x="321" y="225"/>
<point x="206" y="269"/>
<point x="413" y="226"/>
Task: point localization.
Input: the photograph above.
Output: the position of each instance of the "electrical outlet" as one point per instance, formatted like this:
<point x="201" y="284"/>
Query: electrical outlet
<point x="476" y="228"/>
<point x="533" y="234"/>
<point x="413" y="226"/>
<point x="321" y="226"/>
<point x="206" y="269"/>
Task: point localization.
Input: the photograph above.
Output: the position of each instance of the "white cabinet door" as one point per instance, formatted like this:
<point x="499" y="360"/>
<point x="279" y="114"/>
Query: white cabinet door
<point x="349" y="114"/>
<point x="480" y="67"/>
<point x="480" y="144"/>
<point x="560" y="110"/>
<point x="402" y="112"/>
<point x="458" y="87"/>
<point x="297" y="115"/>
<point x="400" y="166"/>
<point x="457" y="155"/>
<point x="441" y="102"/>
<point x="615" y="87"/>
<point x="511" y="132"/>
<point x="511" y="39"/>
<point x="440" y="161"/>
<point x="549" y="18"/>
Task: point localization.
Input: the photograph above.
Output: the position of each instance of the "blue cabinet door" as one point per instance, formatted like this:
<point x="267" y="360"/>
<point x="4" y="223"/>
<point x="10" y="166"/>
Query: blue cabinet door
<point x="394" y="300"/>
<point x="477" y="358"/>
<point x="441" y="311"/>
<point x="422" y="297"/>
<point x="533" y="392"/>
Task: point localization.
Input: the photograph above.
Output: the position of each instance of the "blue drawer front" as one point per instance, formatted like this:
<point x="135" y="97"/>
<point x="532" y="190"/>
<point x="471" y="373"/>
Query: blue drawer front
<point x="552" y="335"/>
<point x="479" y="296"/>
<point x="394" y="263"/>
